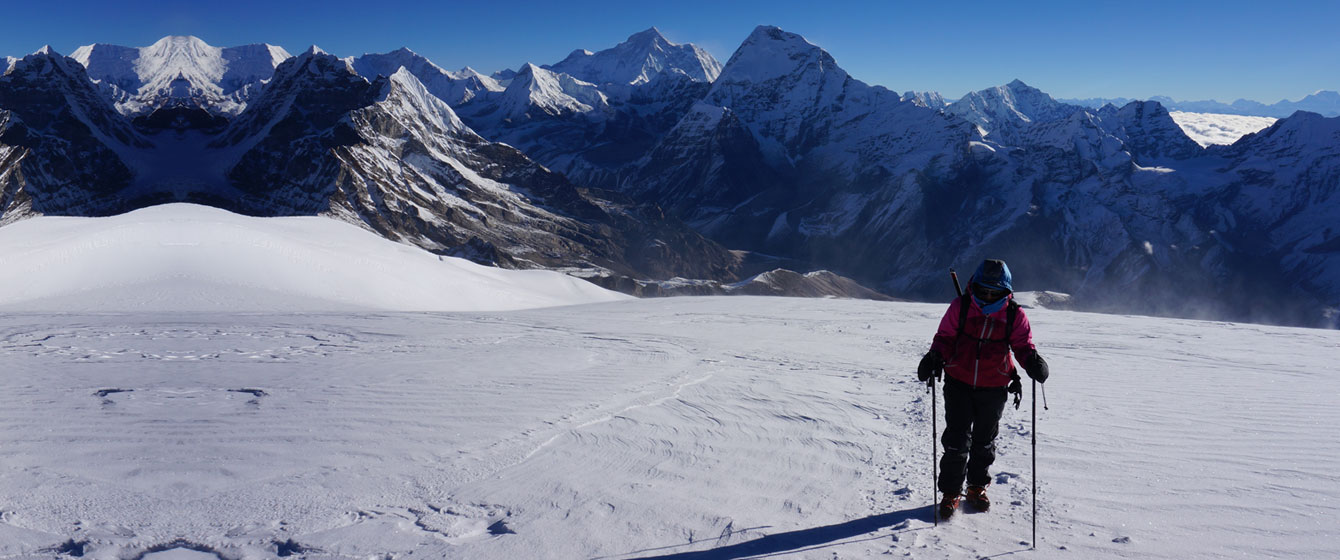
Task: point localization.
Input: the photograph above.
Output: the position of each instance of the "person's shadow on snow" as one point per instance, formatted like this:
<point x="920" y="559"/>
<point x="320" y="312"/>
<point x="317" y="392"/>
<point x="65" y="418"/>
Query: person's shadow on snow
<point x="804" y="539"/>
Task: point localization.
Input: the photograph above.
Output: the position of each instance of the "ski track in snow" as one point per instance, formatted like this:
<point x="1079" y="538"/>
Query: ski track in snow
<point x="682" y="428"/>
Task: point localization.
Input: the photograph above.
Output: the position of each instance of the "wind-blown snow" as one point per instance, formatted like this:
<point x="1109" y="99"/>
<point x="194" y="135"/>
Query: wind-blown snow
<point x="679" y="428"/>
<point x="1211" y="128"/>
<point x="189" y="257"/>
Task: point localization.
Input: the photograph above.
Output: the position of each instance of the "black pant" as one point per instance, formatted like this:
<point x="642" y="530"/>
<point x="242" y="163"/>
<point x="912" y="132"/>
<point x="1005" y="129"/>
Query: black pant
<point x="972" y="420"/>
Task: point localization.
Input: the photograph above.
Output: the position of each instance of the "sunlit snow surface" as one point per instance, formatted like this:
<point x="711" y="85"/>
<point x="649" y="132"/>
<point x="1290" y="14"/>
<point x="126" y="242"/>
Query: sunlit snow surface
<point x="730" y="427"/>
<point x="1211" y="128"/>
<point x="185" y="257"/>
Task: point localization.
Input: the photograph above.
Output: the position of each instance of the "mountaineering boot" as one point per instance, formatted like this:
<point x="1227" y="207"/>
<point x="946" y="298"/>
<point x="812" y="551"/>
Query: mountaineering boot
<point x="948" y="506"/>
<point x="977" y="497"/>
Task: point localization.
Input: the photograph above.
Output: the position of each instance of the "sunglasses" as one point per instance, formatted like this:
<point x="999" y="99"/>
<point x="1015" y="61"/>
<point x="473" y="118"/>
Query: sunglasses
<point x="988" y="294"/>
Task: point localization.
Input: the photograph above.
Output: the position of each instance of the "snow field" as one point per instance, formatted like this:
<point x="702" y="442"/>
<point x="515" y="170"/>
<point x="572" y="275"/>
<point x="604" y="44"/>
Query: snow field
<point x="676" y="428"/>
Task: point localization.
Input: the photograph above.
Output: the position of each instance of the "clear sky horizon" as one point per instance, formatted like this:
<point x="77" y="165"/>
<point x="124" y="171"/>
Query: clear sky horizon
<point x="1138" y="49"/>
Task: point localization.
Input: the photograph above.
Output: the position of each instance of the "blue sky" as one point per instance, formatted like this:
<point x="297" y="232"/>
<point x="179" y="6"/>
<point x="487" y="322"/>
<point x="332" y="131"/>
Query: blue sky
<point x="1227" y="50"/>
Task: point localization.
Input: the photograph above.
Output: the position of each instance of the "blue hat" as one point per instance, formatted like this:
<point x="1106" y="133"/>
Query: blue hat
<point x="993" y="273"/>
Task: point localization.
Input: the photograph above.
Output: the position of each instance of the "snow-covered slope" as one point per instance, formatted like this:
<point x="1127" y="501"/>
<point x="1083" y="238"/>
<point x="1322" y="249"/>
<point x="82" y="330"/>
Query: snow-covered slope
<point x="183" y="257"/>
<point x="182" y="69"/>
<point x="676" y="428"/>
<point x="1219" y="129"/>
<point x="816" y="131"/>
<point x="1294" y="196"/>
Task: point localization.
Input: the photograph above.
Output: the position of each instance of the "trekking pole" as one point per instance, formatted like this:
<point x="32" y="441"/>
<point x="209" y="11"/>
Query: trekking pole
<point x="935" y="450"/>
<point x="1035" y="463"/>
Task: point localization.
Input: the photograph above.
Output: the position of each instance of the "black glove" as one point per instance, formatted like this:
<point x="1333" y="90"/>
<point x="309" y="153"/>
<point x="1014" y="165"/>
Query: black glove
<point x="1037" y="368"/>
<point x="1016" y="388"/>
<point x="932" y="364"/>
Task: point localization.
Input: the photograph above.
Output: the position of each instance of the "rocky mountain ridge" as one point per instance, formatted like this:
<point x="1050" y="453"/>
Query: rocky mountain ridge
<point x="781" y="156"/>
<point x="319" y="139"/>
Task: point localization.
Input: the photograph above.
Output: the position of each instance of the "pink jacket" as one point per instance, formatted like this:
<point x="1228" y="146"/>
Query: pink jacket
<point x="981" y="357"/>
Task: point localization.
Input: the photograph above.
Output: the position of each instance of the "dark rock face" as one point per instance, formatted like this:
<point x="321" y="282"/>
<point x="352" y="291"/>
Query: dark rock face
<point x="58" y="142"/>
<point x="389" y="155"/>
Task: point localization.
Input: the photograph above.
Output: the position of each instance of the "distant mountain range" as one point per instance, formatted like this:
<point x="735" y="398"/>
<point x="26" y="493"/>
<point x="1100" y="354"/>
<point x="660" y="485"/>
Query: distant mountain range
<point x="653" y="168"/>
<point x="1325" y="103"/>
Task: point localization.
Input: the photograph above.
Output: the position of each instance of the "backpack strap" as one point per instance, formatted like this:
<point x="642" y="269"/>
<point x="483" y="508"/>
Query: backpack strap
<point x="1011" y="313"/>
<point x="963" y="302"/>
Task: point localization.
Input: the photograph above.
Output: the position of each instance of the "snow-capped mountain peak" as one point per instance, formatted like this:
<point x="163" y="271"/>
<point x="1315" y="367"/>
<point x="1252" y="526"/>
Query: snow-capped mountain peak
<point x="220" y="80"/>
<point x="642" y="58"/>
<point x="780" y="77"/>
<point x="927" y="99"/>
<point x="1013" y="102"/>
<point x="648" y="36"/>
<point x="1002" y="112"/>
<point x="535" y="88"/>
<point x="1304" y="131"/>
<point x="1149" y="132"/>
<point x="770" y="53"/>
<point x="405" y="89"/>
<point x="452" y="87"/>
